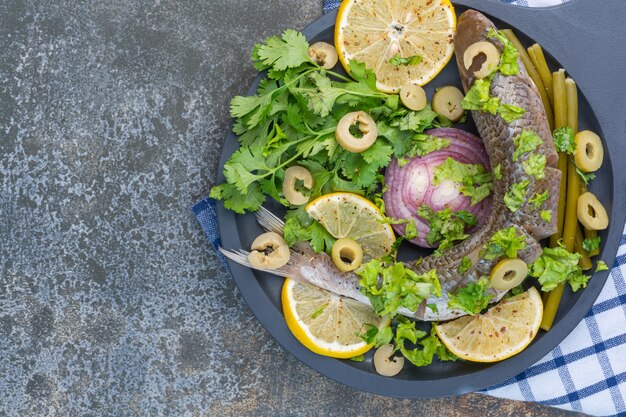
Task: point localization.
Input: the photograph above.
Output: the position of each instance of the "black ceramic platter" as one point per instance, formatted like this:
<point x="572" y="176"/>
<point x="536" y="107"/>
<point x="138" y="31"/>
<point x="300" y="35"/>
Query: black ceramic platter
<point x="586" y="38"/>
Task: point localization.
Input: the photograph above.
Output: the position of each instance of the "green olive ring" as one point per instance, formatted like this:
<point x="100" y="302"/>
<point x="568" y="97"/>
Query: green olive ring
<point x="491" y="54"/>
<point x="508" y="273"/>
<point x="591" y="213"/>
<point x="269" y="251"/>
<point x="447" y="102"/>
<point x="347" y="255"/>
<point x="385" y="363"/>
<point x="293" y="174"/>
<point x="365" y="124"/>
<point x="413" y="97"/>
<point x="589" y="153"/>
<point x="324" y="54"/>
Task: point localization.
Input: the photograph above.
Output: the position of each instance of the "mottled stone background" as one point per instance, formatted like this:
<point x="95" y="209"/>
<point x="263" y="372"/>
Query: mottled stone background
<point x="112" y="115"/>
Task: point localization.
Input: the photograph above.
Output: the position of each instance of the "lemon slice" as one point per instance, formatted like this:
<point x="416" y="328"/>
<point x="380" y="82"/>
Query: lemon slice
<point x="347" y="215"/>
<point x="375" y="31"/>
<point x="325" y="323"/>
<point x="503" y="331"/>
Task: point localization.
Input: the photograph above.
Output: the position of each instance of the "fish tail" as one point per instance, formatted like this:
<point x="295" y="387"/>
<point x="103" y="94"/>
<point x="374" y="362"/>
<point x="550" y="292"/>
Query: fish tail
<point x="290" y="270"/>
<point x="269" y="221"/>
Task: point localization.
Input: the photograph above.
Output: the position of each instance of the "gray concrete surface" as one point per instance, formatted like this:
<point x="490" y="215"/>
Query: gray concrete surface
<point x="112" y="115"/>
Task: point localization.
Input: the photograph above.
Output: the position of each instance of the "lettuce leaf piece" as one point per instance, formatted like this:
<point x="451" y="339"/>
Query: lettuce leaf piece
<point x="505" y="242"/>
<point x="508" y="58"/>
<point x="515" y="197"/>
<point x="557" y="265"/>
<point x="526" y="142"/>
<point x="546" y="215"/>
<point x="601" y="266"/>
<point x="472" y="298"/>
<point x="535" y="165"/>
<point x="591" y="244"/>
<point x="538" y="199"/>
<point x="397" y="60"/>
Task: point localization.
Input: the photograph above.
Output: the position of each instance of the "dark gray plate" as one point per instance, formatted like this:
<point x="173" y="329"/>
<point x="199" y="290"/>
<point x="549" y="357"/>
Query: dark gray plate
<point x="586" y="38"/>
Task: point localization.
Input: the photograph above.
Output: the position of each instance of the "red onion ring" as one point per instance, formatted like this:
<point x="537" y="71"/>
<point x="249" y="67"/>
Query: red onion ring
<point x="411" y="186"/>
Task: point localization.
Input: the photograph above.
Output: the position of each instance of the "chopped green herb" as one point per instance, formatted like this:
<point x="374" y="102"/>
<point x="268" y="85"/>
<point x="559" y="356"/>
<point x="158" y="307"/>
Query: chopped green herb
<point x="397" y="60"/>
<point x="446" y="226"/>
<point x="377" y="337"/>
<point x="514" y="198"/>
<point x="307" y="230"/>
<point x="601" y="266"/>
<point x="539" y="199"/>
<point x="477" y="98"/>
<point x="557" y="265"/>
<point x="497" y="172"/>
<point x="505" y="242"/>
<point x="508" y="58"/>
<point x="535" y="165"/>
<point x="399" y="286"/>
<point x="475" y="182"/>
<point x="472" y="298"/>
<point x="591" y="244"/>
<point x="319" y="311"/>
<point x="430" y="345"/>
<point x="433" y="307"/>
<point x="510" y="113"/>
<point x="546" y="215"/>
<point x="586" y="176"/>
<point x="465" y="265"/>
<point x="526" y="142"/>
<point x="564" y="140"/>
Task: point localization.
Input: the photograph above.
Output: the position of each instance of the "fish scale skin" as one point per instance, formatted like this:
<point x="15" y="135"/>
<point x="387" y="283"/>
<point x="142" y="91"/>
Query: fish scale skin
<point x="498" y="138"/>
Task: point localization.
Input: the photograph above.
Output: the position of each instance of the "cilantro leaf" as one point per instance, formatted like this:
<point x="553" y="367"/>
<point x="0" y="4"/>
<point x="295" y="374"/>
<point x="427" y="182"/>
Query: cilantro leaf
<point x="564" y="140"/>
<point x="236" y="201"/>
<point x="504" y="242"/>
<point x="472" y="298"/>
<point x="416" y="121"/>
<point x="289" y="51"/>
<point x="557" y="265"/>
<point x="526" y="142"/>
<point x="591" y="244"/>
<point x="431" y="345"/>
<point x="586" y="177"/>
<point x="397" y="60"/>
<point x="313" y="232"/>
<point x="514" y="198"/>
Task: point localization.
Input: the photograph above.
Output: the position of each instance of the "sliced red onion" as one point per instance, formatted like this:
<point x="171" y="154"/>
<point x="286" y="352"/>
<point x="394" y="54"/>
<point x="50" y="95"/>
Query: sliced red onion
<point x="411" y="186"/>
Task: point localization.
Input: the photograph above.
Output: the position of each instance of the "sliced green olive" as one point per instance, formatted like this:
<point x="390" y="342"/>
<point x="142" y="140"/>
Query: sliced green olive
<point x="508" y="273"/>
<point x="589" y="152"/>
<point x="366" y="126"/>
<point x="292" y="175"/>
<point x="385" y="363"/>
<point x="324" y="54"/>
<point x="447" y="102"/>
<point x="347" y="255"/>
<point x="413" y="96"/>
<point x="591" y="213"/>
<point x="492" y="58"/>
<point x="269" y="251"/>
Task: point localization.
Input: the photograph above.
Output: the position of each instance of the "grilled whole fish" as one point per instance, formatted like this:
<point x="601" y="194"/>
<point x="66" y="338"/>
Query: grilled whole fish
<point x="498" y="136"/>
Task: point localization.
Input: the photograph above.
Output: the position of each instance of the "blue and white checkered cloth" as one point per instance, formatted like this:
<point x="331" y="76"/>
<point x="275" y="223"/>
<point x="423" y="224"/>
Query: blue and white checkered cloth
<point x="587" y="371"/>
